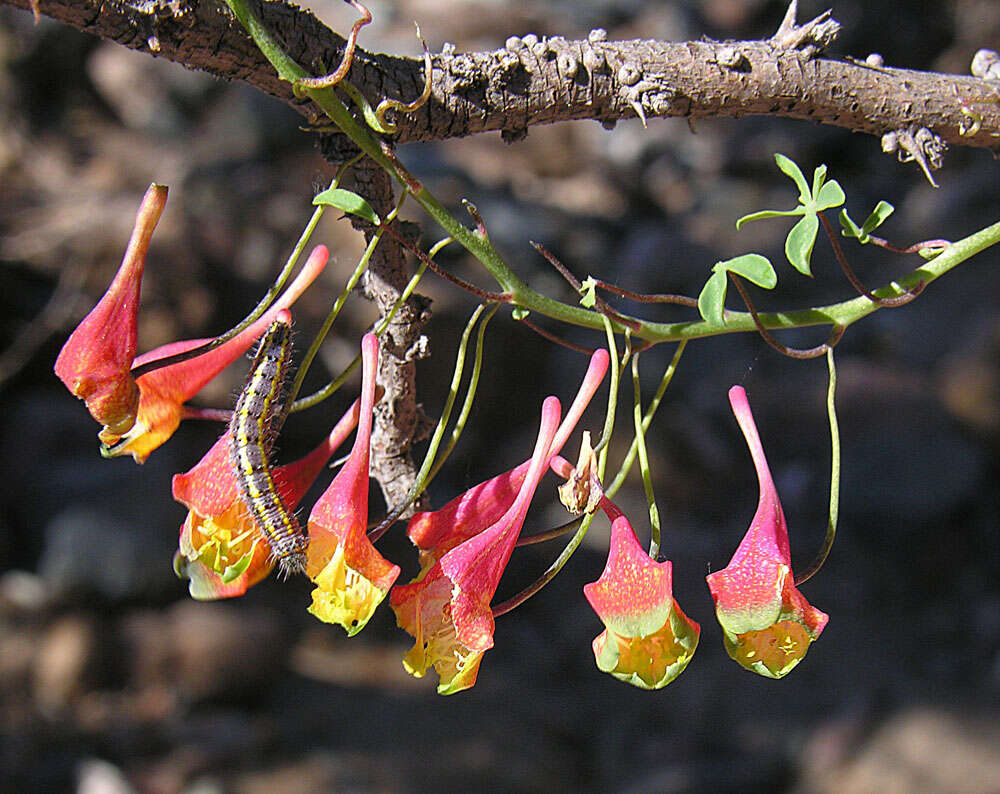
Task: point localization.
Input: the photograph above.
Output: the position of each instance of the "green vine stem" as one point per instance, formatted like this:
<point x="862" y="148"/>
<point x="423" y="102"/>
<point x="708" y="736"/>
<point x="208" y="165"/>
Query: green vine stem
<point x="654" y="404"/>
<point x="338" y="304"/>
<point x="423" y="476"/>
<point x="831" y="527"/>
<point x="843" y="313"/>
<point x="647" y="476"/>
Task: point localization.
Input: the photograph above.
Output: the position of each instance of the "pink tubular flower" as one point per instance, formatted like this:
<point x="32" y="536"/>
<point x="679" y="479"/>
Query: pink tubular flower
<point x="221" y="549"/>
<point x="94" y="363"/>
<point x="647" y="640"/>
<point x="163" y="392"/>
<point x="447" y="610"/>
<point x="767" y="623"/>
<point x="468" y="514"/>
<point x="351" y="577"/>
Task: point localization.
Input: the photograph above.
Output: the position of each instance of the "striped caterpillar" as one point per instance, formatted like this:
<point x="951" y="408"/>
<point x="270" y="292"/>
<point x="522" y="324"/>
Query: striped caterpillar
<point x="256" y="420"/>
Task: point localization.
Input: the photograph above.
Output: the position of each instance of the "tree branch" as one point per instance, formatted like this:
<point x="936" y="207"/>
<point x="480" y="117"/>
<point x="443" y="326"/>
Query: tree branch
<point x="538" y="81"/>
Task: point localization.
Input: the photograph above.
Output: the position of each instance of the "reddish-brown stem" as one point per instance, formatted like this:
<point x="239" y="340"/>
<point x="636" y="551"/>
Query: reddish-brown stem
<point x="838" y="252"/>
<point x="412" y="183"/>
<point x="549" y="534"/>
<point x="599" y="303"/>
<point x="916" y="247"/>
<point x="484" y="295"/>
<point x="792" y="352"/>
<point x="680" y="300"/>
<point x="553" y="338"/>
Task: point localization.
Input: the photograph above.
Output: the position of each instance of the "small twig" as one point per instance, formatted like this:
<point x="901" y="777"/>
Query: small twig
<point x="474" y="212"/>
<point x="411" y="182"/>
<point x="483" y="295"/>
<point x="912" y="249"/>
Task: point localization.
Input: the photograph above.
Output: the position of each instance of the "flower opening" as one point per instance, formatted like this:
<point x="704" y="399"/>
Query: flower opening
<point x="447" y="609"/>
<point x="768" y="625"/>
<point x="648" y="640"/>
<point x="351" y="577"/>
<point x="221" y="550"/>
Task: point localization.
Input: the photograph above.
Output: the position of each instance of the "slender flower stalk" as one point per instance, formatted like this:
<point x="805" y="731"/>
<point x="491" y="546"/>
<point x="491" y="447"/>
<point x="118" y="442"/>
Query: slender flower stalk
<point x="435" y="533"/>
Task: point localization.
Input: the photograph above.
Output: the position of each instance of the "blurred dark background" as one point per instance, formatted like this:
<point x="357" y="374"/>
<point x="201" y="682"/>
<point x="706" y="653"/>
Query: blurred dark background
<point x="113" y="680"/>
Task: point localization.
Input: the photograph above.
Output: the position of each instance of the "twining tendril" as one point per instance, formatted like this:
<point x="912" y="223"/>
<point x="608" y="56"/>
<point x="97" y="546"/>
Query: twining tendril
<point x="330" y="80"/>
<point x="792" y="352"/>
<point x="838" y="252"/>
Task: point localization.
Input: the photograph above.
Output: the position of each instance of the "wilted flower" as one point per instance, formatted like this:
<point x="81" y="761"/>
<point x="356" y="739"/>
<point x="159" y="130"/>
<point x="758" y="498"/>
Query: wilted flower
<point x="447" y="610"/>
<point x="351" y="577"/>
<point x="96" y="359"/>
<point x="648" y="640"/>
<point x="767" y="623"/>
<point x="164" y="391"/>
<point x="221" y="550"/>
<point x="582" y="492"/>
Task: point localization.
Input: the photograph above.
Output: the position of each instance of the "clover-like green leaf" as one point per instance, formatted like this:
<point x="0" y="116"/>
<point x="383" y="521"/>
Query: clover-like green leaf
<point x="829" y="196"/>
<point x="764" y="214"/>
<point x="848" y="228"/>
<point x="347" y="201"/>
<point x="519" y="312"/>
<point x="753" y="267"/>
<point x="712" y="299"/>
<point x="800" y="241"/>
<point x="791" y="170"/>
<point x="878" y="216"/>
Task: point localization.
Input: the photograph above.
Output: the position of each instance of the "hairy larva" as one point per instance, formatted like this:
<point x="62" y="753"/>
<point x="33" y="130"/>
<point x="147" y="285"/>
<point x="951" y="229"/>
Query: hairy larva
<point x="253" y="428"/>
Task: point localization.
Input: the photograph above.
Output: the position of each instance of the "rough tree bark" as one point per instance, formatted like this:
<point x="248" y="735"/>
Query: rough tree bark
<point x="536" y="80"/>
<point x="533" y="80"/>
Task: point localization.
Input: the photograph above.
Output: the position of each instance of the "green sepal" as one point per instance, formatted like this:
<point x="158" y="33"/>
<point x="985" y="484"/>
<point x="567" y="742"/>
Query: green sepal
<point x="588" y="293"/>
<point x="349" y="202"/>
<point x="519" y="312"/>
<point x="234" y="571"/>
